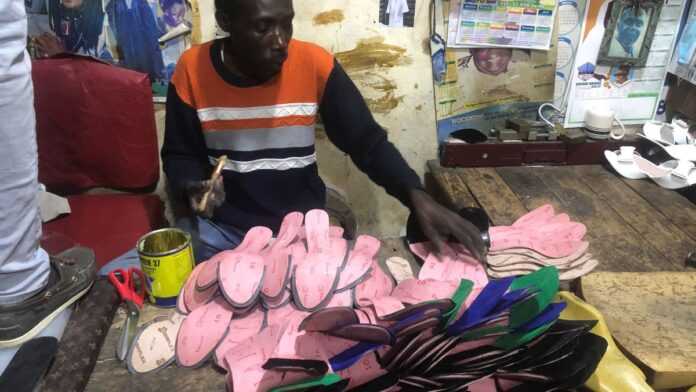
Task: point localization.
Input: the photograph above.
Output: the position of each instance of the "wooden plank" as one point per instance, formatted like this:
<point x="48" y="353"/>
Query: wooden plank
<point x="451" y="187"/>
<point x="621" y="241"/>
<point x="679" y="210"/>
<point x="493" y="194"/>
<point x="653" y="227"/>
<point x="652" y="318"/>
<point x="614" y="243"/>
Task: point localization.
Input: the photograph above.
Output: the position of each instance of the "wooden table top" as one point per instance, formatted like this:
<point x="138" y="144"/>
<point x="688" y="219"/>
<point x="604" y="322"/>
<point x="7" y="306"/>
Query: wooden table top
<point x="632" y="225"/>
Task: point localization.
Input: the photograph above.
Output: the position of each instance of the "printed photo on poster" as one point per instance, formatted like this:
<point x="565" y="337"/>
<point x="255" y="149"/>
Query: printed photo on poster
<point x="147" y="36"/>
<point x="397" y="13"/>
<point x="629" y="33"/>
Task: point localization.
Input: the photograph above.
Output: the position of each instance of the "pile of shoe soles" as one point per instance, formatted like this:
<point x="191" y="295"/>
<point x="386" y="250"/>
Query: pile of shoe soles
<point x="303" y="312"/>
<point x="538" y="239"/>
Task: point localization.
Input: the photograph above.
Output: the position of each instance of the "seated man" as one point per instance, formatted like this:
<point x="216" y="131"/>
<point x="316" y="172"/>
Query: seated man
<point x="254" y="97"/>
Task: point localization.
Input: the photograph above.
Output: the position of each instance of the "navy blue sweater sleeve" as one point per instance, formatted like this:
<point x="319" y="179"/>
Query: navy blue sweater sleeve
<point x="184" y="154"/>
<point x="351" y="127"/>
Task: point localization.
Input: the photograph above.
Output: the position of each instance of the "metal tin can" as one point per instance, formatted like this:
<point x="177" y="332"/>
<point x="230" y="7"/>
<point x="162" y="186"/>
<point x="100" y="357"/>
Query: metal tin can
<point x="166" y="258"/>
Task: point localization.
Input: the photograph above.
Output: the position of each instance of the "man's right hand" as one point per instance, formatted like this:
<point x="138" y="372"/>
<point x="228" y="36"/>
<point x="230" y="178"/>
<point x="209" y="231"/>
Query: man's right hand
<point x="196" y="192"/>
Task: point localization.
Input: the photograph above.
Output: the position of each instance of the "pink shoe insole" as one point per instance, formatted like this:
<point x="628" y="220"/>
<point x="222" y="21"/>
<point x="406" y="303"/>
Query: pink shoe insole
<point x="555" y="231"/>
<point x="359" y="261"/>
<point x="279" y="302"/>
<point x="289" y="229"/>
<point x="362" y="316"/>
<point x="384" y="306"/>
<point x="201" y="332"/>
<point x="194" y="298"/>
<point x="364" y="371"/>
<point x="317" y="229"/>
<point x="287" y="343"/>
<point x="514" y="255"/>
<point x="314" y="282"/>
<point x="379" y="284"/>
<point x="414" y="291"/>
<point x="556" y="244"/>
<point x="336" y="232"/>
<point x="240" y="277"/>
<point x="254" y="241"/>
<point x="491" y="385"/>
<point x="298" y="254"/>
<point x="280" y="316"/>
<point x="245" y="362"/>
<point x="520" y="262"/>
<point x="338" y="252"/>
<point x="454" y="268"/>
<point x="277" y="256"/>
<point x="240" y="329"/>
<point x="328" y="319"/>
<point x="278" y="267"/>
<point x="535" y="217"/>
<point x="154" y="345"/>
<point x="342" y="298"/>
<point x="180" y="304"/>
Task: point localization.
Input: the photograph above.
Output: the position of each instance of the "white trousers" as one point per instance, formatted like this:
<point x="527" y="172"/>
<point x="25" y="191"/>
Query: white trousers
<point x="24" y="266"/>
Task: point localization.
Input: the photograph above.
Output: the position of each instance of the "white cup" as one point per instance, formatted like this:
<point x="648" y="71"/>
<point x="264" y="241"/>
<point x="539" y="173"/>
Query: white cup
<point x="601" y="120"/>
<point x="626" y="153"/>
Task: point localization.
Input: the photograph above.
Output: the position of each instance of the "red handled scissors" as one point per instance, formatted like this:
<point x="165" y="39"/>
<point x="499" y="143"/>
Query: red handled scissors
<point x="127" y="283"/>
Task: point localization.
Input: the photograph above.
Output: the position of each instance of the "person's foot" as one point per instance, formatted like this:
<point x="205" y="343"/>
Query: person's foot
<point x="72" y="275"/>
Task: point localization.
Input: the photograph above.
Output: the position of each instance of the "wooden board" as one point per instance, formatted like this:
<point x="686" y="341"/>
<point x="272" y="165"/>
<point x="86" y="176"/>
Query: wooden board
<point x="680" y="211"/>
<point x="655" y="228"/>
<point x="494" y="195"/>
<point x="613" y="242"/>
<point x="652" y="316"/>
<point x="450" y="188"/>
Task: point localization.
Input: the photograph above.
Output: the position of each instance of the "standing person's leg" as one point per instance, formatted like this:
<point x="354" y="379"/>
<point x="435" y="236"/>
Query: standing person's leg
<point x="24" y="267"/>
<point x="33" y="290"/>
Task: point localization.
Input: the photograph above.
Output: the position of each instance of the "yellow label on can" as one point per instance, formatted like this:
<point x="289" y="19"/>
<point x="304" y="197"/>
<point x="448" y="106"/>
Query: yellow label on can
<point x="166" y="275"/>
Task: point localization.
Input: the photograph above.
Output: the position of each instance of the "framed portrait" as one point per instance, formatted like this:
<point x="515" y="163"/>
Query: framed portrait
<point x="629" y="34"/>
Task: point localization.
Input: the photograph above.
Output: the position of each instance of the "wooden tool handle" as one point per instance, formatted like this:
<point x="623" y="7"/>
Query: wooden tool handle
<point x="216" y="173"/>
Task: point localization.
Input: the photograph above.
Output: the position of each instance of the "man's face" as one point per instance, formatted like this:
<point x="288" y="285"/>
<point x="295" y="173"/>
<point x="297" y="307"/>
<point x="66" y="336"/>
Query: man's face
<point x="629" y="28"/>
<point x="72" y="4"/>
<point x="260" y="31"/>
<point x="491" y="61"/>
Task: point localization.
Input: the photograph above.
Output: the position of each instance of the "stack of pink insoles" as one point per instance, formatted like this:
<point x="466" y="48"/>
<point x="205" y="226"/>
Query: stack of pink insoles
<point x="244" y="306"/>
<point x="540" y="238"/>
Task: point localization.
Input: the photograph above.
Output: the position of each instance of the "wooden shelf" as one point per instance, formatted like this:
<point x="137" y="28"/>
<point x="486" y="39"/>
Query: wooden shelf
<point x="496" y="154"/>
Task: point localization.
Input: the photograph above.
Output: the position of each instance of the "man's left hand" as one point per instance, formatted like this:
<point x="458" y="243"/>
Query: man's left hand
<point x="439" y="223"/>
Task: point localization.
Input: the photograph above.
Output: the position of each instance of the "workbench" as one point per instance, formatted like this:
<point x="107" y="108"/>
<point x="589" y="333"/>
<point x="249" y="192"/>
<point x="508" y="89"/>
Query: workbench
<point x="632" y="225"/>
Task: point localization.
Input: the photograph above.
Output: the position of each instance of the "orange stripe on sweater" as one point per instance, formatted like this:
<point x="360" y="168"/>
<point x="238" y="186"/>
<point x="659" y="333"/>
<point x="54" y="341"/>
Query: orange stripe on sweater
<point x="226" y="125"/>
